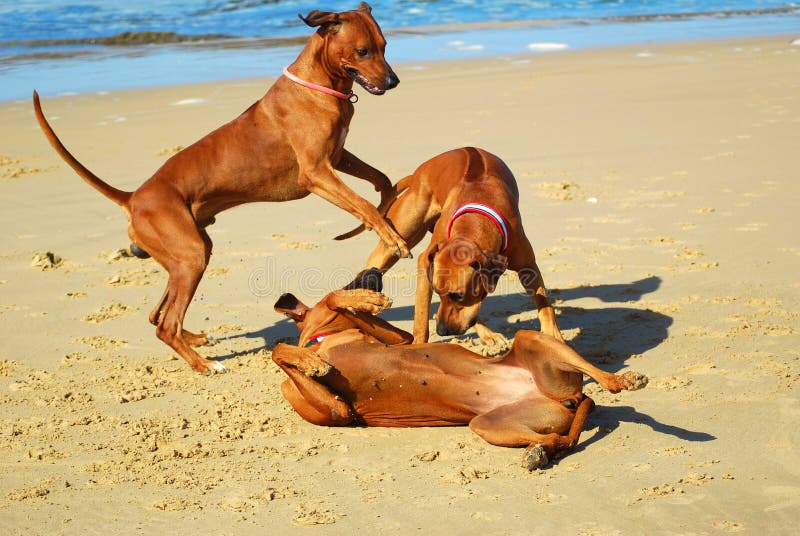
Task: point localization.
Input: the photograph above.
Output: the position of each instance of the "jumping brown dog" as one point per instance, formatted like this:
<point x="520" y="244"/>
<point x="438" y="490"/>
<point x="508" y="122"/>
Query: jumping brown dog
<point x="351" y="367"/>
<point x="283" y="147"/>
<point x="469" y="200"/>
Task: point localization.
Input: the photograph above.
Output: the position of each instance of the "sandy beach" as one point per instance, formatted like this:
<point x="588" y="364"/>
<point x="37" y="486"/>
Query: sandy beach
<point x="659" y="189"/>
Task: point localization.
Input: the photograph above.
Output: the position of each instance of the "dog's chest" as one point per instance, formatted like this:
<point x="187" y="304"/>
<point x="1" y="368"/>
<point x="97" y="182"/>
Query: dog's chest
<point x="342" y="138"/>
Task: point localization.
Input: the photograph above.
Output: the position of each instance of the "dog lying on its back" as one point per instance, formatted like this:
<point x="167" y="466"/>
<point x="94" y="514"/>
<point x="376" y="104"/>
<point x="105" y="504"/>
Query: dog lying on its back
<point x="352" y="367"/>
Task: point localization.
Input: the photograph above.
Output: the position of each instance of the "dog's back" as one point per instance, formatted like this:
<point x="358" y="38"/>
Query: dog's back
<point x="472" y="173"/>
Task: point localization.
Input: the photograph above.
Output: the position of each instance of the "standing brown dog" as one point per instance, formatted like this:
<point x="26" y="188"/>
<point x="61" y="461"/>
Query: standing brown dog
<point x="283" y="147"/>
<point x="469" y="200"/>
<point x="351" y="367"/>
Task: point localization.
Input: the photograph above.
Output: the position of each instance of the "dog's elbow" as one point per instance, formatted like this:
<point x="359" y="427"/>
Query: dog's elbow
<point x="406" y="338"/>
<point x="305" y="181"/>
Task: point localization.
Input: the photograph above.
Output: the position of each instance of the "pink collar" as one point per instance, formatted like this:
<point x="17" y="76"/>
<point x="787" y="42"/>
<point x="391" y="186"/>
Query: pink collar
<point x="485" y="210"/>
<point x="352" y="97"/>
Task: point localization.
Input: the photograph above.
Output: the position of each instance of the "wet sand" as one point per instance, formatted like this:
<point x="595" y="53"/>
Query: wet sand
<point x="659" y="191"/>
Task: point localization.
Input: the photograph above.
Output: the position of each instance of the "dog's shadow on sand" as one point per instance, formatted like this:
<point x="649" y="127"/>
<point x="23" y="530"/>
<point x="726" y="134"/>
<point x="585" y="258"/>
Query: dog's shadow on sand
<point x="609" y="418"/>
<point x="607" y="336"/>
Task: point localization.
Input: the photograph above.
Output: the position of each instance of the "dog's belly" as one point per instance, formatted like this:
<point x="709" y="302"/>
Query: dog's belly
<point x="423" y="385"/>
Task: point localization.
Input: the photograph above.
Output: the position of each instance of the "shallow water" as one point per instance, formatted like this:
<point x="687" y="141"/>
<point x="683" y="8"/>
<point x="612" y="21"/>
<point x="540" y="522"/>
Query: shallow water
<point x="55" y="48"/>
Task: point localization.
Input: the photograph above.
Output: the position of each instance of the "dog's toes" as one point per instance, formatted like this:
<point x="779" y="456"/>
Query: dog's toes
<point x="215" y="367"/>
<point x="634" y="380"/>
<point x="489" y="337"/>
<point x="402" y="252"/>
<point x="495" y="339"/>
<point x="318" y="371"/>
<point x="211" y="340"/>
<point x="534" y="458"/>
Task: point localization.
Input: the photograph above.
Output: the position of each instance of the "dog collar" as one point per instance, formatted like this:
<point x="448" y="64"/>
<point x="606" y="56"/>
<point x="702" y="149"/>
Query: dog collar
<point x="316" y="339"/>
<point x="485" y="210"/>
<point x="349" y="96"/>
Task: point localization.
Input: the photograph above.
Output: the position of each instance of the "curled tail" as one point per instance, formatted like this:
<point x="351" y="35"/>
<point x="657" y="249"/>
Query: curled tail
<point x="120" y="197"/>
<point x="388" y="197"/>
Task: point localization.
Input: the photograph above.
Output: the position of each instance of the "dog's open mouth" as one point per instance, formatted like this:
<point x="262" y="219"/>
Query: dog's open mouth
<point x="363" y="82"/>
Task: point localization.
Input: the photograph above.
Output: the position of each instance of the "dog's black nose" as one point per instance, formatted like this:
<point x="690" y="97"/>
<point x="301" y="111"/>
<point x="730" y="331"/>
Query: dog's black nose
<point x="443" y="330"/>
<point x="391" y="80"/>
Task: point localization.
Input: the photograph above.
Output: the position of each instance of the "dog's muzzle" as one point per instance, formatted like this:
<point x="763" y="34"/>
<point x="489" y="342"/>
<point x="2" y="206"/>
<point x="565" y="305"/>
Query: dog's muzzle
<point x="390" y="82"/>
<point x="444" y="330"/>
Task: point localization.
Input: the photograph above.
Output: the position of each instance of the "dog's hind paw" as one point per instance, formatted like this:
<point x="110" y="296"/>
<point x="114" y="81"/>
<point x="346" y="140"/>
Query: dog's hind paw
<point x="215" y="367"/>
<point x="211" y="340"/>
<point x="633" y="381"/>
<point x="138" y="251"/>
<point x="534" y="458"/>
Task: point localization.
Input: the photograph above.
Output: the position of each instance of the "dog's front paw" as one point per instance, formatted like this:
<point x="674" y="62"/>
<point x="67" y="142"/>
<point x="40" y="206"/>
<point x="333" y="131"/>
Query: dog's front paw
<point x="318" y="372"/>
<point x="315" y="368"/>
<point x="360" y="301"/>
<point x="534" y="458"/>
<point x="489" y="337"/>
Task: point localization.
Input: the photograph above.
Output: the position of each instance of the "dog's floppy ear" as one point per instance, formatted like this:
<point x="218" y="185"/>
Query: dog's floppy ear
<point x="371" y="279"/>
<point x="328" y="20"/>
<point x="432" y="255"/>
<point x="490" y="270"/>
<point x="363" y="6"/>
<point x="290" y="306"/>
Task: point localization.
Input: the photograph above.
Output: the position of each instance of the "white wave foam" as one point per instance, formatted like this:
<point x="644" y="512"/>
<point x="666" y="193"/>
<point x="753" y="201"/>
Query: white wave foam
<point x="185" y="102"/>
<point x="547" y="47"/>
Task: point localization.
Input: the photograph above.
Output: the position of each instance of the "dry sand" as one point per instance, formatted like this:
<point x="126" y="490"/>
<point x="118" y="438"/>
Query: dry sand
<point x="660" y="190"/>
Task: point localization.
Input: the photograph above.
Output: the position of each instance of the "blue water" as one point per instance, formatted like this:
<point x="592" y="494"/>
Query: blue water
<point x="57" y="19"/>
<point x="32" y="56"/>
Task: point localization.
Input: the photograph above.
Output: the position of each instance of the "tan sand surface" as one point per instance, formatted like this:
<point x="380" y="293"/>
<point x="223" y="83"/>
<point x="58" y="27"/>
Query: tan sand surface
<point x="660" y="189"/>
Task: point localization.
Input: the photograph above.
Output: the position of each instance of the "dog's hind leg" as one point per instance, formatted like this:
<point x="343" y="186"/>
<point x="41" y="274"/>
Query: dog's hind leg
<point x="559" y="369"/>
<point x="545" y="427"/>
<point x="174" y="240"/>
<point x="194" y="339"/>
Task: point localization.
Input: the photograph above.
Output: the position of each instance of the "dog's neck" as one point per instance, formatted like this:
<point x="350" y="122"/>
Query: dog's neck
<point x="485" y="211"/>
<point x="314" y="65"/>
<point x="478" y="229"/>
<point x="321" y="320"/>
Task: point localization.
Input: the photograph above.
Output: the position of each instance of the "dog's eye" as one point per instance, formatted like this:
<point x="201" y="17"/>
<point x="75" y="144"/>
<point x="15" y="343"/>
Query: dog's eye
<point x="455" y="296"/>
<point x="475" y="266"/>
<point x="362" y="51"/>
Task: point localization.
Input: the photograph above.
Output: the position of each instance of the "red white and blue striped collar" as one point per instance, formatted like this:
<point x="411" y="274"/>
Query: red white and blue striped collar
<point x="316" y="339"/>
<point x="485" y="210"/>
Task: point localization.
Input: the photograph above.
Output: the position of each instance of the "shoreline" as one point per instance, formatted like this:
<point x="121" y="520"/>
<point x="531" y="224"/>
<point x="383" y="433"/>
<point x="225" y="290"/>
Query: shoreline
<point x="98" y="68"/>
<point x="264" y="81"/>
<point x="128" y="39"/>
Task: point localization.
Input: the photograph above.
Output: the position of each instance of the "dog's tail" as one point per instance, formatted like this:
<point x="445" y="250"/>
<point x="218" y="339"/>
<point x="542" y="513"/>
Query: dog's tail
<point x="120" y="197"/>
<point x="388" y="197"/>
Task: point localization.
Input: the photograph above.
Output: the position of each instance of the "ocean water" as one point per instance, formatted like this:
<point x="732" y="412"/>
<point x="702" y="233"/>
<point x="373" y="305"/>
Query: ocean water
<point x="67" y="46"/>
